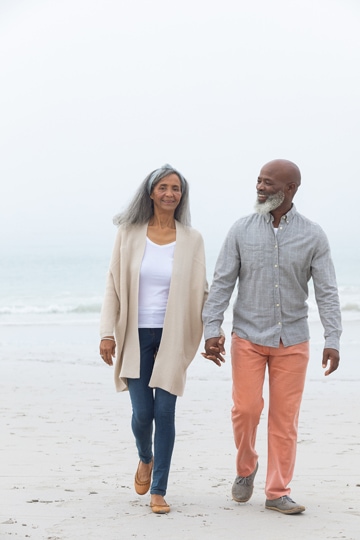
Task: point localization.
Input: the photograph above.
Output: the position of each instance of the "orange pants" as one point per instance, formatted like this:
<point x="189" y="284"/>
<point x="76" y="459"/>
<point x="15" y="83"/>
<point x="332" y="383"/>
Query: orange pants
<point x="287" y="369"/>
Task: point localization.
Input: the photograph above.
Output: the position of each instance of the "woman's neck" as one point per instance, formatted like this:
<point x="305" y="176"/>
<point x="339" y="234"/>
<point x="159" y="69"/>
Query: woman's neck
<point x="162" y="221"/>
<point x="162" y="229"/>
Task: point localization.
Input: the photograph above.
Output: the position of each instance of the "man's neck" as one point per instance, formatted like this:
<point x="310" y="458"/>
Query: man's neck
<point x="278" y="213"/>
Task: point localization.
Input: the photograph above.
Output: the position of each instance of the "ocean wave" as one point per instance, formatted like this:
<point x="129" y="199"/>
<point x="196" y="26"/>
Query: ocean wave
<point x="349" y="302"/>
<point x="351" y="307"/>
<point x="50" y="309"/>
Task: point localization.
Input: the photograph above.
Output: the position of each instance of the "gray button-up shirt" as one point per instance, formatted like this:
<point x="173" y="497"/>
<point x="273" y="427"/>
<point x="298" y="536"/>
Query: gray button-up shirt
<point x="273" y="271"/>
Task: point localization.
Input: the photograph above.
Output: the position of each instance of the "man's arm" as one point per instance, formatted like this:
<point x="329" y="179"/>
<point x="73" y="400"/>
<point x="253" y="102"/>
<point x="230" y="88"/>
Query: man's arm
<point x="225" y="275"/>
<point x="327" y="299"/>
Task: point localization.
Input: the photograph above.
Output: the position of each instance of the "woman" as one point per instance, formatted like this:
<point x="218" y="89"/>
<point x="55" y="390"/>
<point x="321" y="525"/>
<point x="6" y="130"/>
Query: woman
<point x="151" y="317"/>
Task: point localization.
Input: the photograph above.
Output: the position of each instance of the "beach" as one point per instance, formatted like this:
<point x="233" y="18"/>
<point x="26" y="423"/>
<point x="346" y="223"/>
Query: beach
<point x="95" y="96"/>
<point x="68" y="457"/>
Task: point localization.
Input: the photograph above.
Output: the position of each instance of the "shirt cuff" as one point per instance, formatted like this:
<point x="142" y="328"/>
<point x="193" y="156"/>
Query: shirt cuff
<point x="332" y="343"/>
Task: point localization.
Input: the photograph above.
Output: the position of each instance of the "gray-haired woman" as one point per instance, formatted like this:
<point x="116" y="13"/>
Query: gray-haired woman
<point x="151" y="317"/>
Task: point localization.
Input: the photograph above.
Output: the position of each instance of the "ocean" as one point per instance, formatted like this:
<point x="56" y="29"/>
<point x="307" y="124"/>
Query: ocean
<point x="49" y="285"/>
<point x="46" y="286"/>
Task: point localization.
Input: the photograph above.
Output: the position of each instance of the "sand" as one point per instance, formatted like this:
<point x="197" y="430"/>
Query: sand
<point x="68" y="457"/>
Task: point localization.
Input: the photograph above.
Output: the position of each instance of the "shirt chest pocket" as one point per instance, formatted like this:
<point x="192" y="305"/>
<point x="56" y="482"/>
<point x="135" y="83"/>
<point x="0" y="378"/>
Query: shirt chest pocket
<point x="252" y="257"/>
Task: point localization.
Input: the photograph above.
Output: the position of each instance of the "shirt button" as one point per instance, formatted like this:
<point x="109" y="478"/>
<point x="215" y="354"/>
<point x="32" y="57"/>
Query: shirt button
<point x="275" y="245"/>
<point x="279" y="323"/>
<point x="276" y="285"/>
<point x="277" y="305"/>
<point x="276" y="265"/>
<point x="280" y="227"/>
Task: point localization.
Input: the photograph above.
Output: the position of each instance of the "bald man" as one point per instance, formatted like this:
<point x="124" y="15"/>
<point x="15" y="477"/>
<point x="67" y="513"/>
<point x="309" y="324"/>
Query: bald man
<point x="271" y="254"/>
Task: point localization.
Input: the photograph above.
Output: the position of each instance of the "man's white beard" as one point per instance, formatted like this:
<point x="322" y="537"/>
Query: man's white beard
<point x="271" y="203"/>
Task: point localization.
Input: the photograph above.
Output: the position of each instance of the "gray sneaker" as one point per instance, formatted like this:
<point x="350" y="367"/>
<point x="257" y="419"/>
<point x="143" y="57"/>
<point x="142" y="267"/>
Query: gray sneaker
<point x="285" y="505"/>
<point x="243" y="486"/>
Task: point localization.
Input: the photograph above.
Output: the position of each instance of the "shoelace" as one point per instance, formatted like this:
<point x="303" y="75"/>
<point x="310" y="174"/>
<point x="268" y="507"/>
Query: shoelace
<point x="288" y="499"/>
<point x="243" y="481"/>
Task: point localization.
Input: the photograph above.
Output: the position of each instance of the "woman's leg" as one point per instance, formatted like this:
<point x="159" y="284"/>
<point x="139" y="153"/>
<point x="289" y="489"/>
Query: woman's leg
<point x="142" y="397"/>
<point x="149" y="405"/>
<point x="164" y="412"/>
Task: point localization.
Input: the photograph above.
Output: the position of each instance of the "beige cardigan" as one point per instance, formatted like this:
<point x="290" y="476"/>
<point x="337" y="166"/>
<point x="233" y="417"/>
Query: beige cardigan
<point x="183" y="327"/>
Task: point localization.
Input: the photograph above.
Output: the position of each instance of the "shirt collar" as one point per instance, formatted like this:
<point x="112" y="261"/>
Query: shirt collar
<point x="286" y="217"/>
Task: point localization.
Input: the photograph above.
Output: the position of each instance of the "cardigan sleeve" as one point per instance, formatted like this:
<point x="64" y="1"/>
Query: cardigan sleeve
<point x="111" y="303"/>
<point x="110" y="308"/>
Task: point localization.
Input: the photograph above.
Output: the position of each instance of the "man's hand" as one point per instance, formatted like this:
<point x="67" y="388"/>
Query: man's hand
<point x="332" y="356"/>
<point x="214" y="349"/>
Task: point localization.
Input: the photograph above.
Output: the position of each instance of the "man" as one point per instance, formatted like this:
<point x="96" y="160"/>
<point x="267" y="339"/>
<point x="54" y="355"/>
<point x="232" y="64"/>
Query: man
<point x="272" y="254"/>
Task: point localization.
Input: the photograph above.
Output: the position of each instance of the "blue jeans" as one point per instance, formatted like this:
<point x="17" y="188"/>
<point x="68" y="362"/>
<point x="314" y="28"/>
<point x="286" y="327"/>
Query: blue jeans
<point x="152" y="406"/>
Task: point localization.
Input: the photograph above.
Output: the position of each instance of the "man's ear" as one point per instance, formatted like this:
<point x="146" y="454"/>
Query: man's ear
<point x="292" y="187"/>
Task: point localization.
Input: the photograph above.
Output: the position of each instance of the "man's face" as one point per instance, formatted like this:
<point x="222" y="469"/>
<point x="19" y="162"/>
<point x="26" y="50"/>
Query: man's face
<point x="270" y="190"/>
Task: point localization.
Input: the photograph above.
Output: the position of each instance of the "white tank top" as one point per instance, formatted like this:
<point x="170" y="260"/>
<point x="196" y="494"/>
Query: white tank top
<point x="154" y="284"/>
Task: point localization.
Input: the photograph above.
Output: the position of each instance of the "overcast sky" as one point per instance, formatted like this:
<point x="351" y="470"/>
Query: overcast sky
<point x="97" y="93"/>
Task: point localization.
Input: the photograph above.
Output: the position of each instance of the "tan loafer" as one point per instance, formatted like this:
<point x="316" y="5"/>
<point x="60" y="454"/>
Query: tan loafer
<point x="142" y="486"/>
<point x="160" y="508"/>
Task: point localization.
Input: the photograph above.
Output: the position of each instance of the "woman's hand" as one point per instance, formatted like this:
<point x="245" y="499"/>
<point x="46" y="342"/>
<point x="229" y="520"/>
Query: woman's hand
<point x="214" y="350"/>
<point x="107" y="349"/>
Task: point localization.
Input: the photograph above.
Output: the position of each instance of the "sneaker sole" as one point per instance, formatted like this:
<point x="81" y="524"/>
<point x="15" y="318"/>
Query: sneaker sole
<point x="290" y="511"/>
<point x="243" y="500"/>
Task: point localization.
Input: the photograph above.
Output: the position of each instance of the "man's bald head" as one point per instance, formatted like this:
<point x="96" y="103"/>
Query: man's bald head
<point x="284" y="169"/>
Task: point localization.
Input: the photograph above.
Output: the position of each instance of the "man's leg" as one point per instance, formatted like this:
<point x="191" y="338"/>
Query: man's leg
<point x="248" y="370"/>
<point x="287" y="371"/>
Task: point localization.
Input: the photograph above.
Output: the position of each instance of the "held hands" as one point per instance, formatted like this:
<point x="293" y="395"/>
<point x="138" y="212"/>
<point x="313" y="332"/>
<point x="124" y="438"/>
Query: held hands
<point x="214" y="349"/>
<point x="107" y="350"/>
<point x="332" y="356"/>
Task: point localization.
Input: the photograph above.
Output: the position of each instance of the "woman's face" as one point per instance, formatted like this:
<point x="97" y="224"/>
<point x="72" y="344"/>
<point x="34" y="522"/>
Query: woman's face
<point x="166" y="195"/>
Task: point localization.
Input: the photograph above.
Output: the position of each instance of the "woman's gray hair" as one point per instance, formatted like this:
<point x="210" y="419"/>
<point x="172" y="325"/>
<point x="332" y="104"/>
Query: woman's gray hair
<point x="141" y="209"/>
